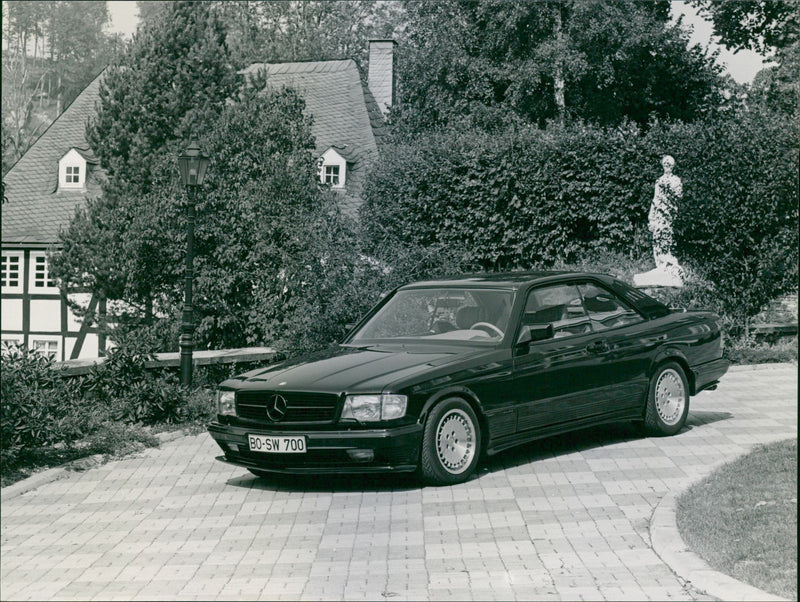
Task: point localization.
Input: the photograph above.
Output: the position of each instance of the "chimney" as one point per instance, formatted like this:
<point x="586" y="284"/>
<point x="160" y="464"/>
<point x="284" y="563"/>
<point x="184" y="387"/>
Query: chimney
<point x="381" y="73"/>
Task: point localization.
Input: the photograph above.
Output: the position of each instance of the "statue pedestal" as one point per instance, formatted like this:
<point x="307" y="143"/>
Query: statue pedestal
<point x="657" y="277"/>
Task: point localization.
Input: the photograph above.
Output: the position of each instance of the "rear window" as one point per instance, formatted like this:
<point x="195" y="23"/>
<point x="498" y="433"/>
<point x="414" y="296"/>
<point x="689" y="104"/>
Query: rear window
<point x="648" y="306"/>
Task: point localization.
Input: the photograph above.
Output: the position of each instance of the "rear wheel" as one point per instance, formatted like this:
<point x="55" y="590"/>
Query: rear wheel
<point x="451" y="443"/>
<point x="667" y="400"/>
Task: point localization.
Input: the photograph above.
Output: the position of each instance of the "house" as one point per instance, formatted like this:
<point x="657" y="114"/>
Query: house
<point x="348" y="116"/>
<point x="59" y="173"/>
<point x="42" y="190"/>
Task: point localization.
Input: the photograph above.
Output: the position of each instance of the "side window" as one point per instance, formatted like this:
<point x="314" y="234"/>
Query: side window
<point x="605" y="309"/>
<point x="559" y="305"/>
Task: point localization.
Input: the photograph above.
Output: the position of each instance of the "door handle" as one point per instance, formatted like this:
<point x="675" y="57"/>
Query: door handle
<point x="598" y="346"/>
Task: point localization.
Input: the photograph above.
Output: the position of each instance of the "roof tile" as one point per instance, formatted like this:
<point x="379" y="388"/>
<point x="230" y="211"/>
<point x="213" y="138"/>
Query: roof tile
<point x="35" y="210"/>
<point x="345" y="115"/>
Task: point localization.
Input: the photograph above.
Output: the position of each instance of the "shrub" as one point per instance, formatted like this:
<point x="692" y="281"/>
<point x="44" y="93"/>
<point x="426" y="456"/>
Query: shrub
<point x="737" y="223"/>
<point x="39" y="406"/>
<point x="548" y="198"/>
<point x="747" y="350"/>
<point x="526" y="198"/>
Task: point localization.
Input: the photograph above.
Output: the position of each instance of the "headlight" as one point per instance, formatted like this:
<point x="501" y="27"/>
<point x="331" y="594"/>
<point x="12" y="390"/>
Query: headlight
<point x="372" y="408"/>
<point x="226" y="403"/>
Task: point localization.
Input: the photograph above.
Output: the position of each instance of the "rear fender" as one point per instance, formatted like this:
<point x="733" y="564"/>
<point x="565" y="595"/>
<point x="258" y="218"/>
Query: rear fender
<point x="672" y="354"/>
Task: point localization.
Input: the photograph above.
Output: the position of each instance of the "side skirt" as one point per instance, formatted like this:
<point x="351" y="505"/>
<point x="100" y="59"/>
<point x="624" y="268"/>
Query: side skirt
<point x="503" y="443"/>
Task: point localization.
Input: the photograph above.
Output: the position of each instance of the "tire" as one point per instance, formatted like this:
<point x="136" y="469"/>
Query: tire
<point x="667" y="400"/>
<point x="451" y="443"/>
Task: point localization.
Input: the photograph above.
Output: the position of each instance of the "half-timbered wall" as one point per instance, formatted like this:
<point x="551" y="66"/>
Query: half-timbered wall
<point x="35" y="314"/>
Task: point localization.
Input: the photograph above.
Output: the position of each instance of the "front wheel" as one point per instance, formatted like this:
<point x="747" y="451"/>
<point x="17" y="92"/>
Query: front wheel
<point x="451" y="443"/>
<point x="667" y="400"/>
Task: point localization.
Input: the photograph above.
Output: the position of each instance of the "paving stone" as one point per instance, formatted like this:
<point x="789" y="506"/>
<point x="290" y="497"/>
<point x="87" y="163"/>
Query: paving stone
<point x="562" y="518"/>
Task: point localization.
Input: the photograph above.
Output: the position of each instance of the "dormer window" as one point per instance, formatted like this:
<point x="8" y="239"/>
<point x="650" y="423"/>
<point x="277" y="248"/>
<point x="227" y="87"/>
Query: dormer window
<point x="72" y="170"/>
<point x="333" y="168"/>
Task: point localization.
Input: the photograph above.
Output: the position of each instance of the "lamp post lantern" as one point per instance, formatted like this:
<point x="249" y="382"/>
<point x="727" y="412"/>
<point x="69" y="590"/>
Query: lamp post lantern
<point x="193" y="164"/>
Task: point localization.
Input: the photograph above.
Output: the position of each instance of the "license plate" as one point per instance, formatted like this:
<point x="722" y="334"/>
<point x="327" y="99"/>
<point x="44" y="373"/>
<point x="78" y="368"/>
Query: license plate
<point x="276" y="445"/>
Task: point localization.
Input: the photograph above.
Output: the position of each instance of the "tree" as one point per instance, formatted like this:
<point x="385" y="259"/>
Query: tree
<point x="497" y="61"/>
<point x="771" y="28"/>
<point x="263" y="246"/>
<point x="77" y="45"/>
<point x="760" y="25"/>
<point x="175" y="76"/>
<point x="32" y="78"/>
<point x="177" y="70"/>
<point x="306" y="30"/>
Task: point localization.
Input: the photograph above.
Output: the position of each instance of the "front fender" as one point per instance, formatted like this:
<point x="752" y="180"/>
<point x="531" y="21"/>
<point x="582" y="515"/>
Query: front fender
<point x="456" y="391"/>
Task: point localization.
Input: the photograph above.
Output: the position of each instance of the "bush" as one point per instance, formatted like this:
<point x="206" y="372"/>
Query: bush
<point x="39" y="406"/>
<point x="737" y="223"/>
<point x="43" y="407"/>
<point x="508" y="202"/>
<point x="748" y="350"/>
<point x="548" y="198"/>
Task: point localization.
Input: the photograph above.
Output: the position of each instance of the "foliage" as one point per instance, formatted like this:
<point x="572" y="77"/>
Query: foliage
<point x="39" y="406"/>
<point x="51" y="51"/>
<point x="775" y="87"/>
<point x="742" y="173"/>
<point x="758" y="25"/>
<point x="772" y="28"/>
<point x="748" y="350"/>
<point x="176" y="72"/>
<point x="112" y="439"/>
<point x="171" y="82"/>
<point x="537" y="198"/>
<point x="131" y="393"/>
<point x="524" y="199"/>
<point x="493" y="62"/>
<point x="308" y="29"/>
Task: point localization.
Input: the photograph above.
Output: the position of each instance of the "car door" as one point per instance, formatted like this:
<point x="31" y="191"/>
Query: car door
<point x="625" y="361"/>
<point x="559" y="380"/>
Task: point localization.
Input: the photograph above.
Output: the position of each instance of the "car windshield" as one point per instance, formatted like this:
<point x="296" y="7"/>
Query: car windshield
<point x="455" y="314"/>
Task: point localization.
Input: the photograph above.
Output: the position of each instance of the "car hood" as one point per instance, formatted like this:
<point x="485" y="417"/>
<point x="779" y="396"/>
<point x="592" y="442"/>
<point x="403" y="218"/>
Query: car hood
<point x="346" y="369"/>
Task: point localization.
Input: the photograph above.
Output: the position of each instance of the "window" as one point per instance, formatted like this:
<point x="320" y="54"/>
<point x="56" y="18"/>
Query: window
<point x="559" y="305"/>
<point x="605" y="309"/>
<point x="11" y="271"/>
<point x="11" y="342"/>
<point x="48" y="347"/>
<point x="73" y="175"/>
<point x="40" y="276"/>
<point x="441" y="314"/>
<point x="332" y="175"/>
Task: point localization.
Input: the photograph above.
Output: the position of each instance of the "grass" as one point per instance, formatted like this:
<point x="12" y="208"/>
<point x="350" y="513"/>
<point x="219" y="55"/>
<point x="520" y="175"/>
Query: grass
<point x="742" y="519"/>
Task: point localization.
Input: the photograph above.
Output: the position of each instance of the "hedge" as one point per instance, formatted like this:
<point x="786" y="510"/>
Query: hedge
<point x="533" y="198"/>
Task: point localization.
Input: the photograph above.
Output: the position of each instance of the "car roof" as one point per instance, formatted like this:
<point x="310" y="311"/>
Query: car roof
<point x="514" y="280"/>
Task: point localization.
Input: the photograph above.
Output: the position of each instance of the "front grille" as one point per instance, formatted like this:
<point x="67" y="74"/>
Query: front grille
<point x="300" y="407"/>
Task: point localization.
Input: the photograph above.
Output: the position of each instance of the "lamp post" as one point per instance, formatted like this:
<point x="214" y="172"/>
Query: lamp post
<point x="193" y="164"/>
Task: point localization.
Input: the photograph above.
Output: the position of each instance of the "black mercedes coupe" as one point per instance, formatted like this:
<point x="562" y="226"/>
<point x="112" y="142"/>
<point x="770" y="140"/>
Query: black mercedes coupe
<point x="440" y="373"/>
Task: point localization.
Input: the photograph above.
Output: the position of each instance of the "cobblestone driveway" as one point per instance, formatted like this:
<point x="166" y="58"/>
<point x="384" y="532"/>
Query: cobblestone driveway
<point x="563" y="518"/>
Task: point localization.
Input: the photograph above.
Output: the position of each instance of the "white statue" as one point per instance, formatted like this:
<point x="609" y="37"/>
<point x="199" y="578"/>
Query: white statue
<point x="668" y="190"/>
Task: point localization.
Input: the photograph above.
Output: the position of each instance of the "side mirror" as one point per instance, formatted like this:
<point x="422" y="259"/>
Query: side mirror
<point x="531" y="333"/>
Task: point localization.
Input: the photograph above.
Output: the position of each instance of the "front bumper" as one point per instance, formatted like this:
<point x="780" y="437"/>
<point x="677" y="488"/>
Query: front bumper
<point x="395" y="450"/>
